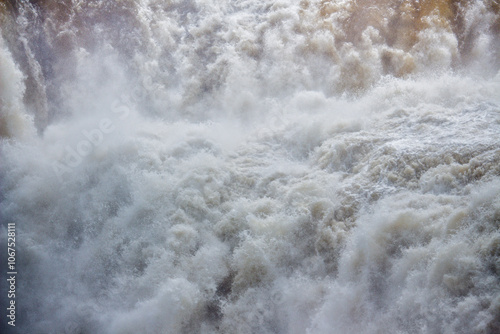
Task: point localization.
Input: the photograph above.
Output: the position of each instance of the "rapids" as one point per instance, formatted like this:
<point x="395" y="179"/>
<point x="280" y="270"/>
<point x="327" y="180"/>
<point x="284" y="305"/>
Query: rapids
<point x="215" y="166"/>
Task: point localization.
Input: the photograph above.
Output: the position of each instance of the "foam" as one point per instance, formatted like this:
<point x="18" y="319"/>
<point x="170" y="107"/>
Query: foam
<point x="253" y="167"/>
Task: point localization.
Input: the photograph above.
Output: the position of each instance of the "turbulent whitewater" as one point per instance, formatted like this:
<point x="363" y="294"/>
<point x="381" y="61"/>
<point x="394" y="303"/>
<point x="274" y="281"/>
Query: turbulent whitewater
<point x="216" y="166"/>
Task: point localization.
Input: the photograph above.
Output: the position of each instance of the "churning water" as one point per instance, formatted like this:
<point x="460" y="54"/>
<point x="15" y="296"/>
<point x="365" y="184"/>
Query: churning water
<point x="217" y="166"/>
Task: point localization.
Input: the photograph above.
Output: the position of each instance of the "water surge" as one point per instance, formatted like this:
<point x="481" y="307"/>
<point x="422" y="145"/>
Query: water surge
<point x="192" y="166"/>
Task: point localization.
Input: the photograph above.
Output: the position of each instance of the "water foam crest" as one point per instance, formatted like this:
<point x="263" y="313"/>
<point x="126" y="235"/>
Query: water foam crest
<point x="251" y="166"/>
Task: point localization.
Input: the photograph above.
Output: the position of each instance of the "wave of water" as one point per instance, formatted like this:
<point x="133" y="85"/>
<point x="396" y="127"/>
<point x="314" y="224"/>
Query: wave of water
<point x="194" y="166"/>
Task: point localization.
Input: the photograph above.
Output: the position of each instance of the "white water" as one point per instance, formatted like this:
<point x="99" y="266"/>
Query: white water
<point x="252" y="167"/>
